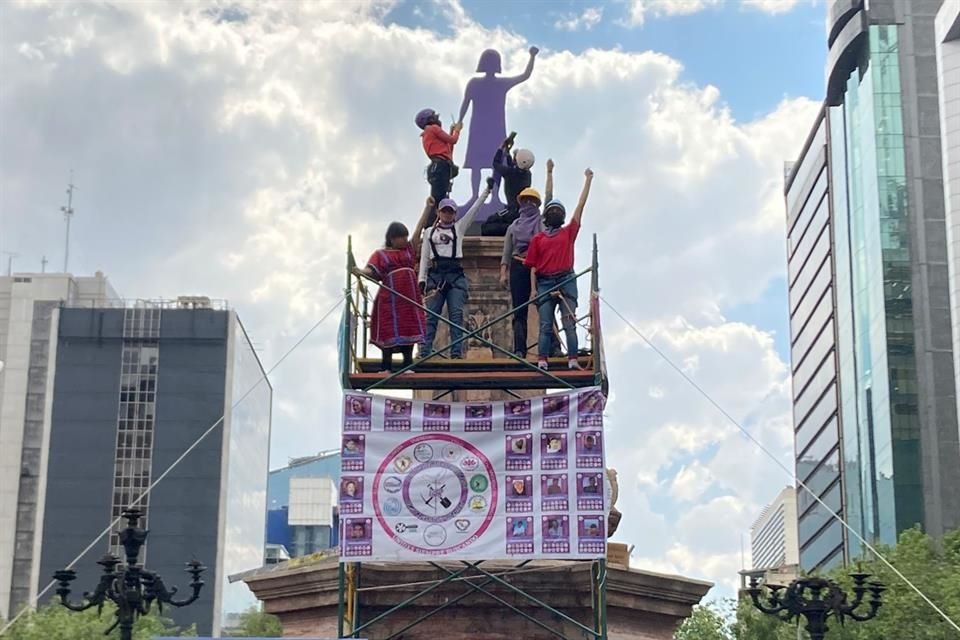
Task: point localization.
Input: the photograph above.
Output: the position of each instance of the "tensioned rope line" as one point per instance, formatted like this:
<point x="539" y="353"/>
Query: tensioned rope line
<point x="735" y="423"/>
<point x="183" y="455"/>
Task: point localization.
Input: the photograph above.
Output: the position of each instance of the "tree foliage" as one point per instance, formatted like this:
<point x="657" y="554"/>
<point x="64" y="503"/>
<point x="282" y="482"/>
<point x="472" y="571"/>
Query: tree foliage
<point x="933" y="567"/>
<point x="257" y="624"/>
<point x="56" y="622"/>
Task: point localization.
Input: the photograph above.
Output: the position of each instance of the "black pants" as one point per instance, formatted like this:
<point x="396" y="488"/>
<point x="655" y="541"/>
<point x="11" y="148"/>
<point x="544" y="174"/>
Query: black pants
<point x="405" y="350"/>
<point x="440" y="177"/>
<point x="520" y="293"/>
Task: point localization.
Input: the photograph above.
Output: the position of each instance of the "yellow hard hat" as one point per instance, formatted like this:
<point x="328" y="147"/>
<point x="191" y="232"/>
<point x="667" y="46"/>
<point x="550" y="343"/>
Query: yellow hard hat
<point x="530" y="192"/>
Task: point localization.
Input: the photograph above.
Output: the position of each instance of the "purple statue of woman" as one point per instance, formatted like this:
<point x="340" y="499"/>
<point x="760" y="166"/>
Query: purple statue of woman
<point x="488" y="122"/>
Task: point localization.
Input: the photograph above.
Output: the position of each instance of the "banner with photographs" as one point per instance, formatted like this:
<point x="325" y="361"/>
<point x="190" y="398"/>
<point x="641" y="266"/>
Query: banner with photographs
<point x="518" y="479"/>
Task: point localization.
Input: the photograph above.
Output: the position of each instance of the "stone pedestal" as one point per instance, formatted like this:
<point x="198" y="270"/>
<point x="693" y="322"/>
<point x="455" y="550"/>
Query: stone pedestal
<point x="488" y="300"/>
<point x="640" y="605"/>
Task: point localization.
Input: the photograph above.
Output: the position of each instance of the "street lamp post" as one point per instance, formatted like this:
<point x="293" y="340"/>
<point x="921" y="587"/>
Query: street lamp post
<point x="817" y="600"/>
<point x="129" y="586"/>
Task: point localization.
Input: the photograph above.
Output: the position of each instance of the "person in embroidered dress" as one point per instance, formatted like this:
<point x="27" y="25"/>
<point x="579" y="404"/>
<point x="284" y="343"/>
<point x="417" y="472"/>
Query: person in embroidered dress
<point x="397" y="323"/>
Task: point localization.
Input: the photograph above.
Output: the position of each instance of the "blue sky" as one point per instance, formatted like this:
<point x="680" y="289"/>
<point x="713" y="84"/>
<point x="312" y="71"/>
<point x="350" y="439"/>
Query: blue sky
<point x="756" y="59"/>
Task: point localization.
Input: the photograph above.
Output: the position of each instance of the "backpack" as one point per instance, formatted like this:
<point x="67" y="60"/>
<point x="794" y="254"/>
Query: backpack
<point x="496" y="224"/>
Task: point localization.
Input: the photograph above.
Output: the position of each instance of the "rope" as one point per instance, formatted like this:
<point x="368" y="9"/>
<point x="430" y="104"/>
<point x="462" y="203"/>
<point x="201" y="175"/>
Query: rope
<point x="776" y="460"/>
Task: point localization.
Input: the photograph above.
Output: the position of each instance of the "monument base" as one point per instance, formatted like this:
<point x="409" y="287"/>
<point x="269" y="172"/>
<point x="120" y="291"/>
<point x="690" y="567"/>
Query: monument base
<point x="640" y="605"/>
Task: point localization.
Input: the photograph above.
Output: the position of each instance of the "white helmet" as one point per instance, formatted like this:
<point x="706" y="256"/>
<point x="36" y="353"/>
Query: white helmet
<point x="524" y="158"/>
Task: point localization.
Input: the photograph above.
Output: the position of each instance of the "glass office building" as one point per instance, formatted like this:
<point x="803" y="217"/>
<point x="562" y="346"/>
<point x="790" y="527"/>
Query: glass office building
<point x="887" y="455"/>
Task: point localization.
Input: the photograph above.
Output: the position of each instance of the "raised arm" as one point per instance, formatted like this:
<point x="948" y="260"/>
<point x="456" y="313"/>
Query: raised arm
<point x="417" y="237"/>
<point x="507" y="258"/>
<point x="464" y="223"/>
<point x="523" y="77"/>
<point x="584" y="194"/>
<point x="449" y="138"/>
<point x="548" y="191"/>
<point x="424" y="261"/>
<point x="467" y="98"/>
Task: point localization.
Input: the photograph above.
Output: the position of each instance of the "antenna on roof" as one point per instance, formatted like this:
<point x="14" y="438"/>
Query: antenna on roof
<point x="43" y="264"/>
<point x="10" y="256"/>
<point x="67" y="214"/>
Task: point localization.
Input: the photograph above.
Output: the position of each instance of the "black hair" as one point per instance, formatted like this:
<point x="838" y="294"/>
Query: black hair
<point x="395" y="230"/>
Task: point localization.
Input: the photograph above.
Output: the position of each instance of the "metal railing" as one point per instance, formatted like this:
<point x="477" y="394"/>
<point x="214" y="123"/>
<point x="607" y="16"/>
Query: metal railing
<point x="355" y="326"/>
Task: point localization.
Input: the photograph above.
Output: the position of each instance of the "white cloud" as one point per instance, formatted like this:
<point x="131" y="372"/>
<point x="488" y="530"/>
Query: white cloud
<point x="587" y="20"/>
<point x="772" y="6"/>
<point x="231" y="154"/>
<point x="640" y="10"/>
<point x="691" y="482"/>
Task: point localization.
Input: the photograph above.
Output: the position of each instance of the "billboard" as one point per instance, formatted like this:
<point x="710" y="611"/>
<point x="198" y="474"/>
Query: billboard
<point x="512" y="480"/>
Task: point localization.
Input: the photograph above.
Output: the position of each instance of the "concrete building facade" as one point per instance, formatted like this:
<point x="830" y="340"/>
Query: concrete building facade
<point x="773" y="537"/>
<point x="29" y="308"/>
<point x="947" y="28"/>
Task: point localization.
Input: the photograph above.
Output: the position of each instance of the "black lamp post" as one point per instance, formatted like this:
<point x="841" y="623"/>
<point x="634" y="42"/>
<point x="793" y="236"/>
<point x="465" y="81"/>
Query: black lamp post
<point x="129" y="586"/>
<point x="817" y="600"/>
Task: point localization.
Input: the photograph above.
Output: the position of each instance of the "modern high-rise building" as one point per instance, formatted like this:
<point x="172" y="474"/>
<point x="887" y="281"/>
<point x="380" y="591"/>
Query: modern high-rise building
<point x="125" y="390"/>
<point x="875" y="408"/>
<point x="773" y="537"/>
<point x="948" y="79"/>
<point x="28" y="302"/>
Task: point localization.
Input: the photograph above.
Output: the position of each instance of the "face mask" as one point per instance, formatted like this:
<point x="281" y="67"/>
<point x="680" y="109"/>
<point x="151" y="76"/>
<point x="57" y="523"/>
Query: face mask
<point x="553" y="219"/>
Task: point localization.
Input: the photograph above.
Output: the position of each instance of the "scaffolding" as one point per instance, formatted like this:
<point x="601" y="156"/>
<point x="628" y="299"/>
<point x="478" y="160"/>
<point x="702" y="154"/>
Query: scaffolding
<point x="506" y="372"/>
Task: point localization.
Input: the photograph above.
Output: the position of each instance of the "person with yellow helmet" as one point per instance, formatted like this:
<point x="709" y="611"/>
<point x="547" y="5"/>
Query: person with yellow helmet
<point x="513" y="272"/>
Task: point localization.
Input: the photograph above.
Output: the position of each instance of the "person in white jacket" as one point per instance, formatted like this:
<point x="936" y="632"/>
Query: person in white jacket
<point x="441" y="270"/>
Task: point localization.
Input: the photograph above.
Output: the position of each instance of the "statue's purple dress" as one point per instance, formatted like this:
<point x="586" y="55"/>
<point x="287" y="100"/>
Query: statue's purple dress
<point x="488" y="120"/>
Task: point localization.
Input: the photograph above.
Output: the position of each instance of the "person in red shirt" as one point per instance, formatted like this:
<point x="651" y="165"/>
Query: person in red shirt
<point x="550" y="258"/>
<point x="438" y="145"/>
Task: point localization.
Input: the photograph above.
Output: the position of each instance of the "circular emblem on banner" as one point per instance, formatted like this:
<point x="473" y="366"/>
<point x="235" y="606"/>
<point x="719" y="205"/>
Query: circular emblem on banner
<point x="423" y="452"/>
<point x="392" y="507"/>
<point x="436" y="492"/>
<point x="434" y="535"/>
<point x="478" y="483"/>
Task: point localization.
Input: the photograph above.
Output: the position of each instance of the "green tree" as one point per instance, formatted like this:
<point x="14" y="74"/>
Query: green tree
<point x="56" y="622"/>
<point x="707" y="622"/>
<point x="257" y="624"/>
<point x="933" y="567"/>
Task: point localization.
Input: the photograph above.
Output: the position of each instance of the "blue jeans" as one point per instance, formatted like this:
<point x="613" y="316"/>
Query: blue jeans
<point x="547" y="305"/>
<point x="451" y="290"/>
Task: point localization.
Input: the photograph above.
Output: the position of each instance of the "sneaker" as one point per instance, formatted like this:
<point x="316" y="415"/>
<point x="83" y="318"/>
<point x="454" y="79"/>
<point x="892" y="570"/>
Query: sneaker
<point x="542" y="365"/>
<point x="574" y="365"/>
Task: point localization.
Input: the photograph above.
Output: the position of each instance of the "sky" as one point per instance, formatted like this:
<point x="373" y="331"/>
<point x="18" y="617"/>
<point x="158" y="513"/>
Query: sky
<point x="229" y="149"/>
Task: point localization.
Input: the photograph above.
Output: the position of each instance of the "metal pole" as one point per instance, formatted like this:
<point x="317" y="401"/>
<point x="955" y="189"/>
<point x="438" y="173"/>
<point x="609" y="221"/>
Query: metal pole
<point x="355" y="599"/>
<point x="340" y="585"/>
<point x="67" y="214"/>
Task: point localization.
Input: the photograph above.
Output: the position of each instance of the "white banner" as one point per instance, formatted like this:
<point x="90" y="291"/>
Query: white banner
<point x="473" y="481"/>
